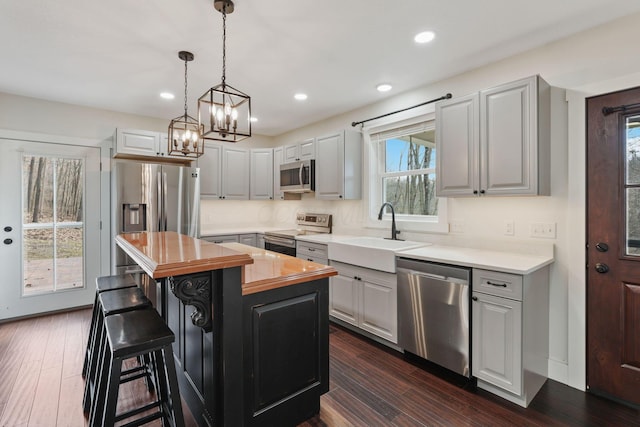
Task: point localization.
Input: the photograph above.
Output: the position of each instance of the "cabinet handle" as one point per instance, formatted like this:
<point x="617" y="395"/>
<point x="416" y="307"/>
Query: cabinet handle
<point x="482" y="191"/>
<point x="475" y="191"/>
<point x="311" y="249"/>
<point x="502" y="285"/>
<point x="474" y="298"/>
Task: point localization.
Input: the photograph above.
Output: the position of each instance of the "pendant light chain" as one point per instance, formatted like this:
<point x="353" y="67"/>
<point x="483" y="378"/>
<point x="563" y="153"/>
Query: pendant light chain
<point x="224" y="45"/>
<point x="185" y="87"/>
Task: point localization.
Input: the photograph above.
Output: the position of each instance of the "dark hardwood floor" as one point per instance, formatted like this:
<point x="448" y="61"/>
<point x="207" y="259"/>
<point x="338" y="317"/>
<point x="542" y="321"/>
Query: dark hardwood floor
<point x="40" y="385"/>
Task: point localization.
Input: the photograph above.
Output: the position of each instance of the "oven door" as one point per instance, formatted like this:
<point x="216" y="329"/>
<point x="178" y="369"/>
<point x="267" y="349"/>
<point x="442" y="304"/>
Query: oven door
<point x="280" y="245"/>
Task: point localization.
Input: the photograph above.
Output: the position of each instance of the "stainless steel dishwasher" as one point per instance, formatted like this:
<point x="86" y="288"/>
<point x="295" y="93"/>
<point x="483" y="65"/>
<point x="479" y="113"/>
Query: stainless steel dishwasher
<point x="433" y="312"/>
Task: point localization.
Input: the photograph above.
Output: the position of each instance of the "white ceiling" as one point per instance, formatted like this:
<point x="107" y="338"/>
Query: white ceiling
<point x="120" y="54"/>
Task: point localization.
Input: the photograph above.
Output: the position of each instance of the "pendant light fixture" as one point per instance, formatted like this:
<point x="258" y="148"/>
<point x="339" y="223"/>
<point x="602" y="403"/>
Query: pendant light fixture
<point x="185" y="133"/>
<point x="224" y="111"/>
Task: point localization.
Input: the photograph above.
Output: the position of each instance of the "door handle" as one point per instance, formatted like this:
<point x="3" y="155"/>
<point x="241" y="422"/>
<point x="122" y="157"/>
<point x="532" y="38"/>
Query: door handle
<point x="602" y="247"/>
<point x="8" y="241"/>
<point x="602" y="268"/>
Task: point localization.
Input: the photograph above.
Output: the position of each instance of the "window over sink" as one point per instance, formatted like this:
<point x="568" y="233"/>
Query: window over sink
<point x="403" y="173"/>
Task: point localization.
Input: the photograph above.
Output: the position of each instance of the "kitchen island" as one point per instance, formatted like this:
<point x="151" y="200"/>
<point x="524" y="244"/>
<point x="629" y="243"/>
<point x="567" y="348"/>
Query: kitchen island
<point x="251" y="327"/>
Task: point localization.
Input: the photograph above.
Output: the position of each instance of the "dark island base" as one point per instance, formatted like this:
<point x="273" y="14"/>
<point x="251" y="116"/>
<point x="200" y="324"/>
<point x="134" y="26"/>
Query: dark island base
<point x="270" y="371"/>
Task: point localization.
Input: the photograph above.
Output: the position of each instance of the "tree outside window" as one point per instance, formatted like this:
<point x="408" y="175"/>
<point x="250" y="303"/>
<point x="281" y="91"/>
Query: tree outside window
<point x="408" y="179"/>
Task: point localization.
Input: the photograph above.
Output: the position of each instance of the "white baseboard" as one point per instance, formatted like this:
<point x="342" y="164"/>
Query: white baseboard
<point x="559" y="371"/>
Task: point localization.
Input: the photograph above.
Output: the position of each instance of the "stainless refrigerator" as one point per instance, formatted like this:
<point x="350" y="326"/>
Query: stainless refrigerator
<point x="151" y="197"/>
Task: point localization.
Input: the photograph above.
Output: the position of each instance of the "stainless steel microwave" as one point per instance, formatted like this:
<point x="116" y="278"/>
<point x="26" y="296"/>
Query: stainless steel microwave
<point x="298" y="177"/>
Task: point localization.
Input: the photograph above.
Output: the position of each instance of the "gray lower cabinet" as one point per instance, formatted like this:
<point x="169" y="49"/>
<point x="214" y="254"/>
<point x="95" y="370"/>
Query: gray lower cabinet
<point x="510" y="333"/>
<point x="366" y="299"/>
<point x="314" y="252"/>
<point x="249" y="239"/>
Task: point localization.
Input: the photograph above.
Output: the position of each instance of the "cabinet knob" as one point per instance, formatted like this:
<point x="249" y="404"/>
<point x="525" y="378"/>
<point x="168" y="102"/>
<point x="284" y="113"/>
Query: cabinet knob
<point x="474" y="298"/>
<point x="8" y="228"/>
<point x="475" y="191"/>
<point x="482" y="191"/>
<point x="8" y="241"/>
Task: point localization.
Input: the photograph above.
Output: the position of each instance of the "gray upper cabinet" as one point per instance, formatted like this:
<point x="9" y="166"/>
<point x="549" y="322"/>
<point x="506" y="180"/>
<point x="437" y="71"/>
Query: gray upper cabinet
<point x="457" y="146"/>
<point x="261" y="185"/>
<point x="303" y="150"/>
<point x="339" y="166"/>
<point x="495" y="142"/>
<point x="134" y="142"/>
<point x="278" y="158"/>
<point x="211" y="171"/>
<point x="235" y="173"/>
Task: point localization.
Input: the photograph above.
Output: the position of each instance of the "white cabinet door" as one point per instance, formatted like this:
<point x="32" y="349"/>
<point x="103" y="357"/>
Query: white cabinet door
<point x="330" y="167"/>
<point x="343" y="298"/>
<point x="379" y="310"/>
<point x="235" y="173"/>
<point x="137" y="142"/>
<point x="261" y="174"/>
<point x="303" y="150"/>
<point x="508" y="138"/>
<point x="247" y="239"/>
<point x="307" y="149"/>
<point x="339" y="166"/>
<point x="210" y="164"/>
<point x="260" y="240"/>
<point x="227" y="238"/>
<point x="278" y="158"/>
<point x="497" y="341"/>
<point x="290" y="153"/>
<point x="457" y="140"/>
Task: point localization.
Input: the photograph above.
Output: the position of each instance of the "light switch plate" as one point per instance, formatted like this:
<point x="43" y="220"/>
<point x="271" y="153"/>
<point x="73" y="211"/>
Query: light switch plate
<point x="456" y="226"/>
<point x="509" y="228"/>
<point x="545" y="230"/>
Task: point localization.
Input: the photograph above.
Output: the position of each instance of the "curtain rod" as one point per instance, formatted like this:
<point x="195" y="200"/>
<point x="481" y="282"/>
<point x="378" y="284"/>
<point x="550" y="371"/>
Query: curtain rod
<point x="447" y="96"/>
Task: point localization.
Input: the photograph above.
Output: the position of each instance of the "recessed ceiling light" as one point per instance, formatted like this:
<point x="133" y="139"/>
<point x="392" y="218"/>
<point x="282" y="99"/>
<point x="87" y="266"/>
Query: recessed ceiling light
<point x="167" y="95"/>
<point x="254" y="119"/>
<point x="300" y="96"/>
<point x="384" y="87"/>
<point x="424" y="37"/>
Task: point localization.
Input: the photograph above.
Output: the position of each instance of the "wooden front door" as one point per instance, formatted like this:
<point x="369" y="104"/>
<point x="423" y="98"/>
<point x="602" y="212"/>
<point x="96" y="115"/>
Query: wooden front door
<point x="613" y="245"/>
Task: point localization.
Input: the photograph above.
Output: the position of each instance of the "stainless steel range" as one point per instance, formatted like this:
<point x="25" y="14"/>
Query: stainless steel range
<point x="284" y="241"/>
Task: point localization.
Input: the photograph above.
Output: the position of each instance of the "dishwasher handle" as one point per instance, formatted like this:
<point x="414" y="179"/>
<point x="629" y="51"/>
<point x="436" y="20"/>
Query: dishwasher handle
<point x="433" y="276"/>
<point x="423" y="274"/>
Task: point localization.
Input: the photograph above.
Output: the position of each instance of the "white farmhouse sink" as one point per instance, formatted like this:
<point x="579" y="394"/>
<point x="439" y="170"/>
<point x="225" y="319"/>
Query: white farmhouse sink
<point x="370" y="252"/>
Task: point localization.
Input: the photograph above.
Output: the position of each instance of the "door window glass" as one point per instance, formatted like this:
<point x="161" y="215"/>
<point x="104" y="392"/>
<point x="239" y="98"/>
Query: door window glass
<point x="53" y="227"/>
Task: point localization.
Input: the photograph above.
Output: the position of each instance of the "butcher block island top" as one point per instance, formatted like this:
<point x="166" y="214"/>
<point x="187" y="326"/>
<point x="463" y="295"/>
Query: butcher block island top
<point x="167" y="253"/>
<point x="271" y="270"/>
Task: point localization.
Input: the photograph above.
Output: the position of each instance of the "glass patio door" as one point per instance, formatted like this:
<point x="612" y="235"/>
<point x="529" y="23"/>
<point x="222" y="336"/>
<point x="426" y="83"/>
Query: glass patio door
<point x="50" y="226"/>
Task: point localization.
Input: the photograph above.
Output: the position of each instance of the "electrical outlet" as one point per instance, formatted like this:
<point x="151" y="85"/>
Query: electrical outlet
<point x="456" y="226"/>
<point x="509" y="228"/>
<point x="545" y="230"/>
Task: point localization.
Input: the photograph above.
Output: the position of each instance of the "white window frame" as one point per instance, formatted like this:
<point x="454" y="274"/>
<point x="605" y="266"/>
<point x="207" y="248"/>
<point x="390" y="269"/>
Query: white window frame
<point x="374" y="166"/>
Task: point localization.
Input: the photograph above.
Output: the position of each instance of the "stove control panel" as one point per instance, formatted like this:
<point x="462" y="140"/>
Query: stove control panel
<point x="314" y="220"/>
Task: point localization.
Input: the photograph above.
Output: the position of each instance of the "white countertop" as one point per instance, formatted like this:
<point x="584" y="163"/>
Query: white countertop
<point x="497" y="260"/>
<point x="507" y="262"/>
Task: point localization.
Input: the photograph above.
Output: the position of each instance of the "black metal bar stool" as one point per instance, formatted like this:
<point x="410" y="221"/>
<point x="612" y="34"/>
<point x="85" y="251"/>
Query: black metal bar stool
<point x="104" y="284"/>
<point x="131" y="334"/>
<point x="108" y="304"/>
